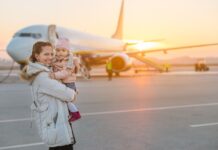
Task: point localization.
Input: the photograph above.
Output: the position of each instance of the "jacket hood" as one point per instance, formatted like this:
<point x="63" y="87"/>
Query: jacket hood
<point x="34" y="68"/>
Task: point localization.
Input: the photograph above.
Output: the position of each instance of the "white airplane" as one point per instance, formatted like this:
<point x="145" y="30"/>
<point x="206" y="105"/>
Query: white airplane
<point x="93" y="50"/>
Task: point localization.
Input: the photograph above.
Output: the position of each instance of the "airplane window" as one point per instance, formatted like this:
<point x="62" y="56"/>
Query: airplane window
<point x="33" y="35"/>
<point x="25" y="35"/>
<point x="36" y="35"/>
<point x="16" y="34"/>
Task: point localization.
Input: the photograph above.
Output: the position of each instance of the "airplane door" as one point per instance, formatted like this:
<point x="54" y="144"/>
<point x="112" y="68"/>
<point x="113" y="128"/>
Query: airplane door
<point x="52" y="34"/>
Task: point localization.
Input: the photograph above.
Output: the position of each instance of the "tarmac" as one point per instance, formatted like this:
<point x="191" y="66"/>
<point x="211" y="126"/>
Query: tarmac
<point x="147" y="111"/>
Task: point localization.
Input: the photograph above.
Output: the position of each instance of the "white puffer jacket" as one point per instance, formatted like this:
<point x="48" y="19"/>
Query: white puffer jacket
<point x="50" y="107"/>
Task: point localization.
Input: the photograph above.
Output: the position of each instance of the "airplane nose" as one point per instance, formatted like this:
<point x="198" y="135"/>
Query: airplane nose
<point x="19" y="49"/>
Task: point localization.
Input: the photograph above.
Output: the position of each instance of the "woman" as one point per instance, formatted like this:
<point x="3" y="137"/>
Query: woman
<point x="50" y="99"/>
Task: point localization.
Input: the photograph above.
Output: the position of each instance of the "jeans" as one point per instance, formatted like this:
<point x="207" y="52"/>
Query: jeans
<point x="71" y="85"/>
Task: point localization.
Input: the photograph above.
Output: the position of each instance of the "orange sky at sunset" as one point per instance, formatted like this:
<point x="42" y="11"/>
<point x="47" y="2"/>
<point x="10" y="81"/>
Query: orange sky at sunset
<point x="179" y="22"/>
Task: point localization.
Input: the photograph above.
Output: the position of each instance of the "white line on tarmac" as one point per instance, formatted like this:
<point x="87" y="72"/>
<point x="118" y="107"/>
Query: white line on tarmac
<point x="109" y="112"/>
<point x="167" y="73"/>
<point x="190" y="73"/>
<point x="20" y="146"/>
<point x="151" y="109"/>
<point x="127" y="111"/>
<point x="204" y="125"/>
<point x="14" y="120"/>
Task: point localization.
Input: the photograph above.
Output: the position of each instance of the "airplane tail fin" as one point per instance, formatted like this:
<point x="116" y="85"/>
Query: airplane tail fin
<point x="119" y="30"/>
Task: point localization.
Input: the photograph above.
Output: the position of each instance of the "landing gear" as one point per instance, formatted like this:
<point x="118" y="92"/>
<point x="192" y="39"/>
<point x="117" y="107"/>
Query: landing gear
<point x="85" y="72"/>
<point x="201" y="65"/>
<point x="117" y="74"/>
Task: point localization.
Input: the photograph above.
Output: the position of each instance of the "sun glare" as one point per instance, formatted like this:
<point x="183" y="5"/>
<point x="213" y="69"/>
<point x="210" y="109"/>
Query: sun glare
<point x="146" y="45"/>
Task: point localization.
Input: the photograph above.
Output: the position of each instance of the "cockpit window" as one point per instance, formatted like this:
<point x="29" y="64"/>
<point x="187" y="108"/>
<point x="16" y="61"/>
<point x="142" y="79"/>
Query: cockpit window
<point x="33" y="35"/>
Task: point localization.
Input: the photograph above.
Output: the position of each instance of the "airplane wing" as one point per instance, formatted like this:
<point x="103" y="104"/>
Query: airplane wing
<point x="122" y="58"/>
<point x="165" y="50"/>
<point x="84" y="52"/>
<point x="134" y="52"/>
<point x="134" y="42"/>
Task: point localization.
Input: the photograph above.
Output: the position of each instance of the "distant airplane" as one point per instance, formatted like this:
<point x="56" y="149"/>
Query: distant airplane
<point x="93" y="50"/>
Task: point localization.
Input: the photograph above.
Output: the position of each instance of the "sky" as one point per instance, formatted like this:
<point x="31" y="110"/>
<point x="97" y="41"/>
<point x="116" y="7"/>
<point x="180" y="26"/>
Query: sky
<point x="178" y="22"/>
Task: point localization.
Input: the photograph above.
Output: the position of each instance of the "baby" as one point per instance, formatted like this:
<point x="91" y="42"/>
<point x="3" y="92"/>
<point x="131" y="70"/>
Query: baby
<point x="64" y="68"/>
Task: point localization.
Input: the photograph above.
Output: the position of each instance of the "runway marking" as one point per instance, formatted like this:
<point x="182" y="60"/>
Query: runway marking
<point x="21" y="146"/>
<point x="132" y="74"/>
<point x="14" y="120"/>
<point x="190" y="73"/>
<point x="204" y="125"/>
<point x="126" y="111"/>
<point x="150" y="109"/>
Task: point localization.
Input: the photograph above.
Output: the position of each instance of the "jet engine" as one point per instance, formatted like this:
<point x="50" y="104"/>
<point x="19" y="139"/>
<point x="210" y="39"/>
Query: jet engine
<point x="120" y="62"/>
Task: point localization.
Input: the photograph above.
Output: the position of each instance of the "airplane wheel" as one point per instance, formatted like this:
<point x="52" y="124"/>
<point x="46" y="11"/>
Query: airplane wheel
<point x="117" y="74"/>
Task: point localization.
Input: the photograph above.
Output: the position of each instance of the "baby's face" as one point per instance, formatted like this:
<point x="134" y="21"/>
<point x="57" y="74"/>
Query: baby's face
<point x="61" y="52"/>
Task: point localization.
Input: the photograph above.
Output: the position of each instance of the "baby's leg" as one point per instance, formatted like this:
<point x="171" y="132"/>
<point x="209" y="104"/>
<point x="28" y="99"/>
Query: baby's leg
<point x="74" y="113"/>
<point x="71" y="85"/>
<point x="72" y="107"/>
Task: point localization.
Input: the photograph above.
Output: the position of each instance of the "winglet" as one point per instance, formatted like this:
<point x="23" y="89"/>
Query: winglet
<point x="119" y="31"/>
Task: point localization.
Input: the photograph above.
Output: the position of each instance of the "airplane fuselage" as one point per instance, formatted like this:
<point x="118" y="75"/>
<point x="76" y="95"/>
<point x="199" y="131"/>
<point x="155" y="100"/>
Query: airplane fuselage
<point x="20" y="46"/>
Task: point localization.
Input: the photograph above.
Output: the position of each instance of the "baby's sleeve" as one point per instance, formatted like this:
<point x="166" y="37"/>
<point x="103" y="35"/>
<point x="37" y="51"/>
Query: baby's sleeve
<point x="70" y="63"/>
<point x="59" y="75"/>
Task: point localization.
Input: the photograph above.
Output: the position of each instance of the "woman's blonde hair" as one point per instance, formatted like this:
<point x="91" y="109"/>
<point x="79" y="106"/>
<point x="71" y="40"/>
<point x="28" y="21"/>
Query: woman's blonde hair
<point x="24" y="75"/>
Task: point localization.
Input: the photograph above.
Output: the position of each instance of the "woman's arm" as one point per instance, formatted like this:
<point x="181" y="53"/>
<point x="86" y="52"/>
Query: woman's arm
<point x="55" y="88"/>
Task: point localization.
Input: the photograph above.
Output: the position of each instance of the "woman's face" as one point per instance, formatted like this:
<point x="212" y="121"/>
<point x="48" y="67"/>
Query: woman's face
<point x="46" y="56"/>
